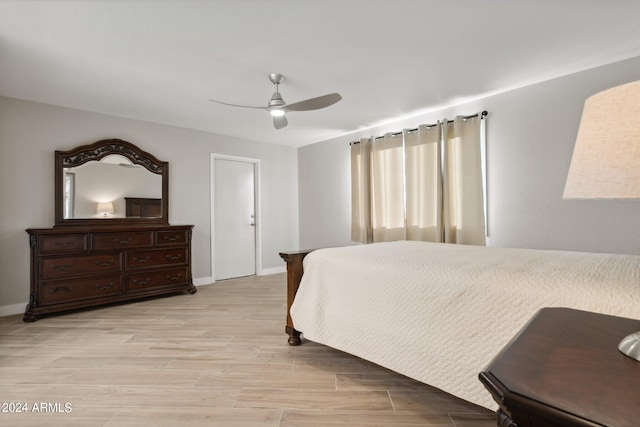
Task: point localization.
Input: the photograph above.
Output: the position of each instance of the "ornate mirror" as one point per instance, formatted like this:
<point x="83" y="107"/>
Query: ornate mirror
<point x="110" y="182"/>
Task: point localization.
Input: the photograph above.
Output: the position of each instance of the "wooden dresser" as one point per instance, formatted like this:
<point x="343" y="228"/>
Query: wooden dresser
<point x="76" y="267"/>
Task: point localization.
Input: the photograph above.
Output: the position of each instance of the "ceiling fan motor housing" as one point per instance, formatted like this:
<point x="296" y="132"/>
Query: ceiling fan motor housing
<point x="276" y="78"/>
<point x="276" y="100"/>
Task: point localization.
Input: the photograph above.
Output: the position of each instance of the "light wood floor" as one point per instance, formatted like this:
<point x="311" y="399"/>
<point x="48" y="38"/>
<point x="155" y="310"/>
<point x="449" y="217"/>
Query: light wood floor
<point x="216" y="358"/>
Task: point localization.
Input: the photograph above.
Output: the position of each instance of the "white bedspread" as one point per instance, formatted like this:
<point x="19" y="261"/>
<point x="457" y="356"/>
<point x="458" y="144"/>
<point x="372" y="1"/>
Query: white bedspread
<point x="439" y="313"/>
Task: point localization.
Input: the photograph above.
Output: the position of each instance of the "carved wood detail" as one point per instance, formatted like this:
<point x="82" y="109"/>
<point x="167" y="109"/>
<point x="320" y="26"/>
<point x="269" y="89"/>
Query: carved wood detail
<point x="96" y="151"/>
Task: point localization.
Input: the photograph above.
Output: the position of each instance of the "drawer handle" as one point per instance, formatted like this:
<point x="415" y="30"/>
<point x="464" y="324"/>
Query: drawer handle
<point x="174" y="278"/>
<point x="60" y="267"/>
<point x="174" y="257"/>
<point x="60" y="288"/>
<point x="141" y="260"/>
<point x="104" y="263"/>
<point x="102" y="287"/>
<point x="171" y="238"/>
<point x="141" y="282"/>
<point x="122" y="242"/>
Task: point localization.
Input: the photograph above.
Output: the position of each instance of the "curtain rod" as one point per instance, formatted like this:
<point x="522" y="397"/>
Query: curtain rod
<point x="482" y="115"/>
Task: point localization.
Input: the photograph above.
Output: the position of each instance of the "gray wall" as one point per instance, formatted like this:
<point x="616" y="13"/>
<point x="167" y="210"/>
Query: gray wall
<point x="31" y="132"/>
<point x="530" y="136"/>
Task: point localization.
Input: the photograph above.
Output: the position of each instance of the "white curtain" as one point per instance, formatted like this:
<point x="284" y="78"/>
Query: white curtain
<point x="423" y="176"/>
<point x="463" y="185"/>
<point x="423" y="184"/>
<point x="387" y="189"/>
<point x="464" y="220"/>
<point x="361" y="230"/>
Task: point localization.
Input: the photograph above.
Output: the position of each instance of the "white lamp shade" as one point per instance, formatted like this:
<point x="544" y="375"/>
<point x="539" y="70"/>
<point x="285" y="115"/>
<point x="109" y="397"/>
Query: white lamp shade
<point x="105" y="208"/>
<point x="606" y="157"/>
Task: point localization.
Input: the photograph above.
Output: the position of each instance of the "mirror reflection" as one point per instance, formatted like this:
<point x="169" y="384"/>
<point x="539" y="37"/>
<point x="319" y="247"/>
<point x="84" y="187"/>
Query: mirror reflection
<point x="113" y="187"/>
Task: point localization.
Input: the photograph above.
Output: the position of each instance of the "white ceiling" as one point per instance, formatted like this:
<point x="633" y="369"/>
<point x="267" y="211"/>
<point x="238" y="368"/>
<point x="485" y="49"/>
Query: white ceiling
<point x="160" y="61"/>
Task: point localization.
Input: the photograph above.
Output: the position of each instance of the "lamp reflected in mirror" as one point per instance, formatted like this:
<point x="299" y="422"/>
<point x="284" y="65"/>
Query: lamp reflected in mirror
<point x="105" y="209"/>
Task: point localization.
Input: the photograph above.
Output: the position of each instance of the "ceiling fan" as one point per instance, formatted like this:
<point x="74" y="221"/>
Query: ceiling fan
<point x="277" y="107"/>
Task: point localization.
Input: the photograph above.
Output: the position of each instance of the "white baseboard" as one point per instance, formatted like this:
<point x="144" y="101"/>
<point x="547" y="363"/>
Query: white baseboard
<point x="199" y="281"/>
<point x="273" y="270"/>
<point x="10" y="310"/>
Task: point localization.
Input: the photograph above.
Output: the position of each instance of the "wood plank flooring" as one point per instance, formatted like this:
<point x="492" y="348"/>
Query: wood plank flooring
<point x="216" y="358"/>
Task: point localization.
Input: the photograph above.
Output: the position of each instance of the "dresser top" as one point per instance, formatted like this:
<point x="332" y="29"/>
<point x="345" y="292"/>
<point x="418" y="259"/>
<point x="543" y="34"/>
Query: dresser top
<point x="105" y="229"/>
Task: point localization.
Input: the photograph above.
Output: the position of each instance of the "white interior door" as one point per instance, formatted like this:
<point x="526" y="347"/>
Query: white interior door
<point x="234" y="218"/>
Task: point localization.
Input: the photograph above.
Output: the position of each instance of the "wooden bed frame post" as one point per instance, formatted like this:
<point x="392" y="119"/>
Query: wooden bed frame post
<point x="294" y="275"/>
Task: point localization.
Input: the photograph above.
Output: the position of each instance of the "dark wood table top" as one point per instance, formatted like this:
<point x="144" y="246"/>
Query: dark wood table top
<point x="566" y="363"/>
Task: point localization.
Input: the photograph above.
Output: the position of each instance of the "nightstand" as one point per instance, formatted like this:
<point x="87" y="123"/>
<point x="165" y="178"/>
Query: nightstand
<point x="564" y="369"/>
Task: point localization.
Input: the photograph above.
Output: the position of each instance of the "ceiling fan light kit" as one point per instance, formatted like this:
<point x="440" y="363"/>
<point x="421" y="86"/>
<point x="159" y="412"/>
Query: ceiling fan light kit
<point x="277" y="107"/>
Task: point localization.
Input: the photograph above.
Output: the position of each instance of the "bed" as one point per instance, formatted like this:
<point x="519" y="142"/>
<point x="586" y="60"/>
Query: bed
<point x="439" y="313"/>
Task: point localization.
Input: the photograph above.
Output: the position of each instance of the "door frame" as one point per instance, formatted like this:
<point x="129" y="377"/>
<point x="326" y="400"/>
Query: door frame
<point x="257" y="201"/>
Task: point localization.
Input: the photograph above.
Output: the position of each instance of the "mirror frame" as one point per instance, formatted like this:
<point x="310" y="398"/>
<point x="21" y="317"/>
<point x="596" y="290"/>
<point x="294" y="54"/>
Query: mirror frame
<point x="94" y="152"/>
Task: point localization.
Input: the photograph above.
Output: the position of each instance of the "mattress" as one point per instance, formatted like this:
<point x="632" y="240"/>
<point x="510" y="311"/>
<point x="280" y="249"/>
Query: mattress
<point x="439" y="313"/>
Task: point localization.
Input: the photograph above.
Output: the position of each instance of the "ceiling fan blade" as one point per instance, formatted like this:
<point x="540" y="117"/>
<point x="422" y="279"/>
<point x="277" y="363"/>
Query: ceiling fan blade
<point x="236" y="105"/>
<point x="280" y="121"/>
<point x="314" y="103"/>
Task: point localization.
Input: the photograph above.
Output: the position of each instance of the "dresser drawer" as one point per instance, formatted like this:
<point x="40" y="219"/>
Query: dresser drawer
<point x="108" y="241"/>
<point x="66" y="243"/>
<point x="173" y="238"/>
<point x="62" y="291"/>
<point x="154" y="258"/>
<point x="157" y="278"/>
<point x="54" y="267"/>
